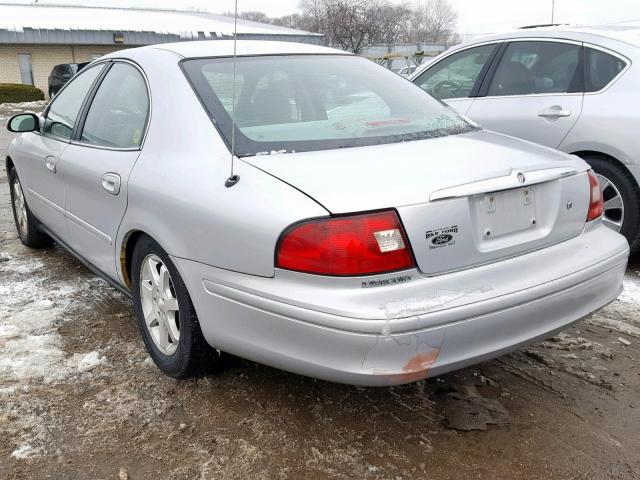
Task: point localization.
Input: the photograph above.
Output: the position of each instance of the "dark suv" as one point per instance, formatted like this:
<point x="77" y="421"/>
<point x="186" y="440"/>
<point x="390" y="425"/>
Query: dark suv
<point x="61" y="74"/>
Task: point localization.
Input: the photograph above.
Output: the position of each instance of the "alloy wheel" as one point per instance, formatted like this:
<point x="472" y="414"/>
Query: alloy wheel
<point x="20" y="208"/>
<point x="613" y="214"/>
<point x="159" y="304"/>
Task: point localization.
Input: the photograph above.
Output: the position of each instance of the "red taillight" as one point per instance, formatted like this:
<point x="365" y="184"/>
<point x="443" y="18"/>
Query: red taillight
<point x="351" y="245"/>
<point x="596" y="206"/>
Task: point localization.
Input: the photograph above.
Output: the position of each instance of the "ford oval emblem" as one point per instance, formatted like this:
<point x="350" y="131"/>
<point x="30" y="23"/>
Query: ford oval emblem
<point x="441" y="239"/>
<point x="521" y="177"/>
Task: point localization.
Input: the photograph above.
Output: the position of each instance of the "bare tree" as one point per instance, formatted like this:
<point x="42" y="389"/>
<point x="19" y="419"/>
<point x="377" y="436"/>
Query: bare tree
<point x="392" y="23"/>
<point x="351" y="23"/>
<point x="433" y="21"/>
<point x="251" y="16"/>
<point x="354" y="24"/>
<point x="313" y="15"/>
<point x="348" y="24"/>
<point x="295" y="20"/>
<point x="442" y="20"/>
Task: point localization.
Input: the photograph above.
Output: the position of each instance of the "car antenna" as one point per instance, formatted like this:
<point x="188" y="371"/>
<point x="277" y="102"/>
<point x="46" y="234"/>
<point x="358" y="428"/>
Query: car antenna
<point x="233" y="177"/>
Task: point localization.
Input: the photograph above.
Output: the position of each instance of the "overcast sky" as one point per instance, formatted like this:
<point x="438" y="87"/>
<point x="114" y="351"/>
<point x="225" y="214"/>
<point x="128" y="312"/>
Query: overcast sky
<point x="474" y="16"/>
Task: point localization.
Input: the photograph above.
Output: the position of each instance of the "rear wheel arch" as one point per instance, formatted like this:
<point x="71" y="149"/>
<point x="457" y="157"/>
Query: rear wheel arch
<point x="126" y="254"/>
<point x="584" y="154"/>
<point x="618" y="173"/>
<point x="128" y="245"/>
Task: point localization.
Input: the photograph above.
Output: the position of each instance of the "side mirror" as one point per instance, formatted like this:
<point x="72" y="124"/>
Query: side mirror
<point x="24" y="122"/>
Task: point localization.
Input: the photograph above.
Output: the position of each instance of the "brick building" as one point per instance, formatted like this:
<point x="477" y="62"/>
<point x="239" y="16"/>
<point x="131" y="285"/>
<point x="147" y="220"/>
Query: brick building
<point x="36" y="37"/>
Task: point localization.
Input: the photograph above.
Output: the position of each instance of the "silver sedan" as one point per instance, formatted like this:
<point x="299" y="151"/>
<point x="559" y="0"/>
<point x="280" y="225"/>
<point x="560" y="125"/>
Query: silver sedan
<point x="307" y="209"/>
<point x="570" y="88"/>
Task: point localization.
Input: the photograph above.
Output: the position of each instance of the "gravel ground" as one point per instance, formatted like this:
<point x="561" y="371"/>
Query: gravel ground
<point x="79" y="398"/>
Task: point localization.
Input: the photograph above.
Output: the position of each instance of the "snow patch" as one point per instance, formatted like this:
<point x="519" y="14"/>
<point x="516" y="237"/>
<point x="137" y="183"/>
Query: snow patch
<point x="568" y="343"/>
<point x="30" y="313"/>
<point x="617" y="325"/>
<point x="90" y="361"/>
<point x="148" y="362"/>
<point x="9" y="331"/>
<point x="631" y="291"/>
<point x="25" y="452"/>
<point x="22" y="266"/>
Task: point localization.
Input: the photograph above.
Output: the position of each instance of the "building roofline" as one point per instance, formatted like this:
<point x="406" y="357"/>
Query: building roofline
<point x="265" y="28"/>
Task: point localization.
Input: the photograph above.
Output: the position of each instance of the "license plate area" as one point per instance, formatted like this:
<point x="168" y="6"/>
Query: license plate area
<point x="506" y="212"/>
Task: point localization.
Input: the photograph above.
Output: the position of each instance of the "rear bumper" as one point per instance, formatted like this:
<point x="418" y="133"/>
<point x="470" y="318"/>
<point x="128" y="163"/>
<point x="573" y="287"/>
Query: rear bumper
<point x="357" y="350"/>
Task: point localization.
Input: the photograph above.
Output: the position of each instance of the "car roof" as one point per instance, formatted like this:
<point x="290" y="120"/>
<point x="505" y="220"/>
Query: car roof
<point x="225" y="48"/>
<point x="624" y="33"/>
<point x="629" y="34"/>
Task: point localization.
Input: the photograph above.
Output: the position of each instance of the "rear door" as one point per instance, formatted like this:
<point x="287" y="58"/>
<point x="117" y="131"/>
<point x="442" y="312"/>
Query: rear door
<point x="456" y="78"/>
<point x="99" y="161"/>
<point x="535" y="93"/>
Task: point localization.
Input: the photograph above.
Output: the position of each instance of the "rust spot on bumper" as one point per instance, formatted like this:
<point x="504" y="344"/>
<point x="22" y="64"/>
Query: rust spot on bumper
<point x="418" y="366"/>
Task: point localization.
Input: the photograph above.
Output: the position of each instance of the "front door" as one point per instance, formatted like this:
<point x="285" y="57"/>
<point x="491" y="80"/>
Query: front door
<point x="43" y="173"/>
<point x="536" y="92"/>
<point x="98" y="164"/>
<point x="456" y="78"/>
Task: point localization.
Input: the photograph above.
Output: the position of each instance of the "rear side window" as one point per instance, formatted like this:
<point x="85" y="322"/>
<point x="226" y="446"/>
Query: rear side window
<point x="537" y="68"/>
<point x="222" y="85"/>
<point x="119" y="111"/>
<point x="602" y="68"/>
<point x="455" y="76"/>
<point x="63" y="113"/>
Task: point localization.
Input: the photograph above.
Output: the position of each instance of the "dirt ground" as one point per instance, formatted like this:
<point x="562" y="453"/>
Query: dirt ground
<point x="80" y="399"/>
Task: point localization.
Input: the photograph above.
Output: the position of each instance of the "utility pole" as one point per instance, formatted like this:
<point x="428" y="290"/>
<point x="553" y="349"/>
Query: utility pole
<point x="553" y="8"/>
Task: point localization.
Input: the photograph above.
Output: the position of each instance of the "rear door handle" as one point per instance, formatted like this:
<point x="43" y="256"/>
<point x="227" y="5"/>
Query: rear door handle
<point x="111" y="183"/>
<point x="554" y="112"/>
<point x="50" y="163"/>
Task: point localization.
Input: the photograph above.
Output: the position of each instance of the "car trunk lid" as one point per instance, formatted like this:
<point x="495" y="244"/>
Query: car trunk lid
<point x="464" y="200"/>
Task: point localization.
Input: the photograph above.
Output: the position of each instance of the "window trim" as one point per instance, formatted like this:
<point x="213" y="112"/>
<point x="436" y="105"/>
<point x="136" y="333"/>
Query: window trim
<point x="489" y="78"/>
<point x="619" y="56"/>
<point x="46" y="110"/>
<point x="86" y="106"/>
<point x="483" y="72"/>
<point x="491" y="71"/>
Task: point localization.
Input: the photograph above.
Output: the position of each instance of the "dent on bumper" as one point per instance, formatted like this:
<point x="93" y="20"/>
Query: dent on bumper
<point x="287" y="337"/>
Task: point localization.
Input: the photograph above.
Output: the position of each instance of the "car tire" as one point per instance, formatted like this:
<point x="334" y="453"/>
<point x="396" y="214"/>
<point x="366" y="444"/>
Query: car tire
<point x="28" y="227"/>
<point x="171" y="332"/>
<point x="622" y="184"/>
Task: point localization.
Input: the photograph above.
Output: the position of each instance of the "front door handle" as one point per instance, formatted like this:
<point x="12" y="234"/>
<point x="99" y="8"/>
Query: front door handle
<point x="111" y="183"/>
<point x="50" y="163"/>
<point x="554" y="112"/>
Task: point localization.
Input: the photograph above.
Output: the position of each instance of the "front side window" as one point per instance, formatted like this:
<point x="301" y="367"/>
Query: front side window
<point x="63" y="112"/>
<point x="456" y="75"/>
<point x="537" y="68"/>
<point x="315" y="102"/>
<point x="118" y="113"/>
<point x="602" y="68"/>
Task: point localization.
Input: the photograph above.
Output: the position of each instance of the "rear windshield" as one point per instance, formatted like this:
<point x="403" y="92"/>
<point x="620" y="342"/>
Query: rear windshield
<point x="315" y="102"/>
